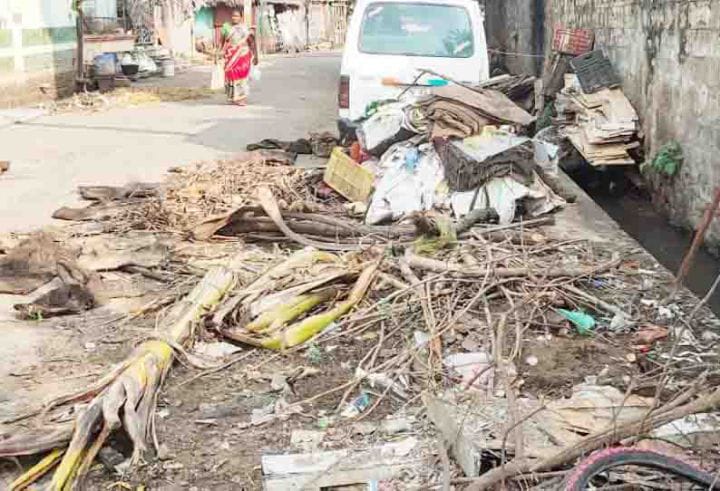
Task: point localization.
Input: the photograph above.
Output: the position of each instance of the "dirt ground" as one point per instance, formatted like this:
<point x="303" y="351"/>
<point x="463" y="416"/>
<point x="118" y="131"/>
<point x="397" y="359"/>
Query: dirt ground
<point x="203" y="428"/>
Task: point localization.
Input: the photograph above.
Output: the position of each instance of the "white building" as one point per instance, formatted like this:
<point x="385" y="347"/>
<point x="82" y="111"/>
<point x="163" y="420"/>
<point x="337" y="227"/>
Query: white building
<point x="37" y="49"/>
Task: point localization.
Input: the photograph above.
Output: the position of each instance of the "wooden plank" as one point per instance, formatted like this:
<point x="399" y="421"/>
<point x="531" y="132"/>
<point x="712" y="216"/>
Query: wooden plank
<point x="339" y="467"/>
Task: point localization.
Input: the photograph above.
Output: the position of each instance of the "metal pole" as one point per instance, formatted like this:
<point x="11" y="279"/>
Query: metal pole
<point x="79" y="27"/>
<point x="307" y="24"/>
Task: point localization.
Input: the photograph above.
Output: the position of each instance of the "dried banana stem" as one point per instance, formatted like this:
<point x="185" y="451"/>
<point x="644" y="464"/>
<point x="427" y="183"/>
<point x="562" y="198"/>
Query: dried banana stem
<point x="301" y="331"/>
<point x="278" y="317"/>
<point x="38" y="470"/>
<point x="131" y="395"/>
<point x="266" y="281"/>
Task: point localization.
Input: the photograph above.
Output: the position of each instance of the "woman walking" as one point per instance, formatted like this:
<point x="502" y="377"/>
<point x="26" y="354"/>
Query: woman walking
<point x="240" y="54"/>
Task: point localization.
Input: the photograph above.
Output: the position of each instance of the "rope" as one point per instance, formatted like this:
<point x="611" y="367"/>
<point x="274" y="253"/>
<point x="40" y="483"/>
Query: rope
<point x="528" y="55"/>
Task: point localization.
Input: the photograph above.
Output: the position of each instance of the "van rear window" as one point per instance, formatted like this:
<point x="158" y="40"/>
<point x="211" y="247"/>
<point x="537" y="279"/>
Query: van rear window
<point x="417" y="29"/>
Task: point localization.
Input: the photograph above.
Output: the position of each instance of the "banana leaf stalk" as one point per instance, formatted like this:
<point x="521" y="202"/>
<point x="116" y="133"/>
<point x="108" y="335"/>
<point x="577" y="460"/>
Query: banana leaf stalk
<point x="132" y="392"/>
<point x="275" y="319"/>
<point x="302" y="331"/>
<point x="267" y="281"/>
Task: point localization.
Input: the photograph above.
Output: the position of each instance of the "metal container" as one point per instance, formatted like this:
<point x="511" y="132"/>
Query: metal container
<point x="168" y="67"/>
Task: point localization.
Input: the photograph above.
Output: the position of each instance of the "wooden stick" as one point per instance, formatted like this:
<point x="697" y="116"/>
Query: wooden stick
<point x="596" y="301"/>
<point x="535" y="222"/>
<point x="410" y="277"/>
<point x="707" y="219"/>
<point x="449" y="267"/>
<point x="267" y="201"/>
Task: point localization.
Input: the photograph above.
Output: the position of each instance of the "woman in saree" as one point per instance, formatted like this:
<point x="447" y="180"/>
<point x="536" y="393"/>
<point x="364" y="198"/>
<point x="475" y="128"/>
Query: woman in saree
<point x="240" y="54"/>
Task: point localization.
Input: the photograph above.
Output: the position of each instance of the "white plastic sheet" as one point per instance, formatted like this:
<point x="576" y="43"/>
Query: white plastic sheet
<point x="410" y="181"/>
<point x="381" y="126"/>
<point x="503" y="194"/>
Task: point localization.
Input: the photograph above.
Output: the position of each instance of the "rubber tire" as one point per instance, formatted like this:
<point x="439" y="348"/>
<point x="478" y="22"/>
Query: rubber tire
<point x="615" y="457"/>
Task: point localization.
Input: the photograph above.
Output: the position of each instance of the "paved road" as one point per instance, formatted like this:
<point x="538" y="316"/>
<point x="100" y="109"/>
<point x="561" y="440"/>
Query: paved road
<point x="52" y="155"/>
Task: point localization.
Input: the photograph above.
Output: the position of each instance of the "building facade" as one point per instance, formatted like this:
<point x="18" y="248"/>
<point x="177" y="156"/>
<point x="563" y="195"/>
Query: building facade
<point x="38" y="41"/>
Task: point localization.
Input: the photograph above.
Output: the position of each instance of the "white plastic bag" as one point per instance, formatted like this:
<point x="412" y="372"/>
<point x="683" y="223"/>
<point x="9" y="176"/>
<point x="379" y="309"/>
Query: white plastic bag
<point x="410" y="181"/>
<point x="255" y="73"/>
<point x="218" y="77"/>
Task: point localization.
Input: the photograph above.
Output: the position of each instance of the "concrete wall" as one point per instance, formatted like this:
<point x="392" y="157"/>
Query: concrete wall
<point x="668" y="55"/>
<point x="514" y="31"/>
<point x="37" y="43"/>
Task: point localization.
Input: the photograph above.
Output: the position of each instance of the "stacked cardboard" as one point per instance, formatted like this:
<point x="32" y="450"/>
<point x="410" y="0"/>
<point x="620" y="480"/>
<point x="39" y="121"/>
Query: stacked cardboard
<point x="603" y="125"/>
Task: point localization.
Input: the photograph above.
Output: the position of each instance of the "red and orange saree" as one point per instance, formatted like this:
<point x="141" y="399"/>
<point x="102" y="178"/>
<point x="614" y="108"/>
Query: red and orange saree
<point x="238" y="62"/>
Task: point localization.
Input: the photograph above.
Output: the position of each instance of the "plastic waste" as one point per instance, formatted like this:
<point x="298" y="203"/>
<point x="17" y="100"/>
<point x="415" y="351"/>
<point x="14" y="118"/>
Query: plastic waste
<point x="390" y="123"/>
<point x="437" y="82"/>
<point x="584" y="323"/>
<point x="255" y="73"/>
<point x="147" y="64"/>
<point x="104" y="64"/>
<point x="357" y="406"/>
<point x="402" y="190"/>
<point x="411" y="158"/>
<point x="474" y="368"/>
<point x="127" y="59"/>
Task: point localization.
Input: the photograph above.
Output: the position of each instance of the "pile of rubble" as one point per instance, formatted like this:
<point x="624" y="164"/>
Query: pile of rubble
<point x="443" y="301"/>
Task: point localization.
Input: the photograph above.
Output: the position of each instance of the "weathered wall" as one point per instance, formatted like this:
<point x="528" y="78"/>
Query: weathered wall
<point x="514" y="31"/>
<point x="37" y="43"/>
<point x="668" y="55"/>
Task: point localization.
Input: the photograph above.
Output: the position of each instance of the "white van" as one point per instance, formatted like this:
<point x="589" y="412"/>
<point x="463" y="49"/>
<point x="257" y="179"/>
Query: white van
<point x="388" y="41"/>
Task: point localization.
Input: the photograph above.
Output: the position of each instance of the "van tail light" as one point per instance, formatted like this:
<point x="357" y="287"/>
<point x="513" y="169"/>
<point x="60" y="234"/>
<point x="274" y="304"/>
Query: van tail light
<point x="344" y="92"/>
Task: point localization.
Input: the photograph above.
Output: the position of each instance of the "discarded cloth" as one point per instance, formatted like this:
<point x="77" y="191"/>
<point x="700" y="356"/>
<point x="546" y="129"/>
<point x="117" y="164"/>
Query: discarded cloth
<point x="106" y="253"/>
<point x="114" y="193"/>
<point x="319" y="144"/>
<point x="36" y="261"/>
<point x="63" y="300"/>
<point x="301" y="145"/>
<point x="450" y="119"/>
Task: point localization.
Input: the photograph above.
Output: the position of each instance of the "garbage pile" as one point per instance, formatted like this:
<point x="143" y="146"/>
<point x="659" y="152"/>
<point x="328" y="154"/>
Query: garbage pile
<point x="455" y="150"/>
